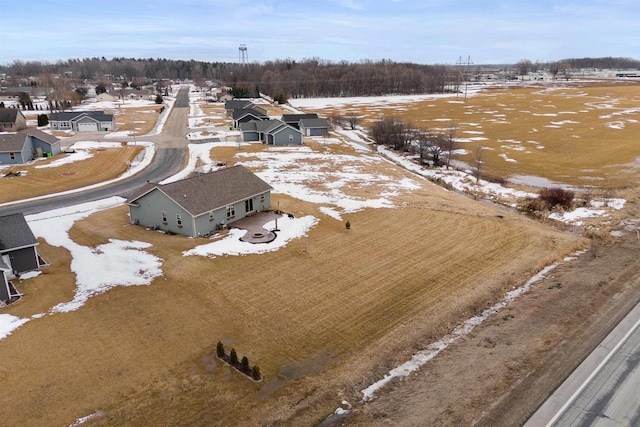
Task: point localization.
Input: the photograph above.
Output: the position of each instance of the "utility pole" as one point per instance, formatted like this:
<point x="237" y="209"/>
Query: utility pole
<point x="460" y="63"/>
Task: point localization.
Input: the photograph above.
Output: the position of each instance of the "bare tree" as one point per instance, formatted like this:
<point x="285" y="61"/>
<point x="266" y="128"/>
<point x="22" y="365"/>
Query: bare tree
<point x="353" y="120"/>
<point x="449" y="145"/>
<point x="477" y="162"/>
<point x="436" y="143"/>
<point x="523" y="66"/>
<point x="554" y="69"/>
<point x="420" y="143"/>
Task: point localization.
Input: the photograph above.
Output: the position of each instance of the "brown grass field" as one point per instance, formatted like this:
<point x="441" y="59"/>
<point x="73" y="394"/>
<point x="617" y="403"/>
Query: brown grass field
<point x="141" y="120"/>
<point x="323" y="317"/>
<point x="105" y="164"/>
<point x="579" y="134"/>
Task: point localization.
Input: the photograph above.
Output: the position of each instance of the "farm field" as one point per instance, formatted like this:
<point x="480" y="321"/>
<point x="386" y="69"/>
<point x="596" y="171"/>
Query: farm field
<point x="579" y="134"/>
<point x="48" y="176"/>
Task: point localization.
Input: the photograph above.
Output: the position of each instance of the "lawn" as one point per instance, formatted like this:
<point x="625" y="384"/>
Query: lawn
<point x="323" y="317"/>
<point x="103" y="165"/>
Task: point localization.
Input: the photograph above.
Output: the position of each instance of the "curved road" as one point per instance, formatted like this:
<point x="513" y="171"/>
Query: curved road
<point x="169" y="159"/>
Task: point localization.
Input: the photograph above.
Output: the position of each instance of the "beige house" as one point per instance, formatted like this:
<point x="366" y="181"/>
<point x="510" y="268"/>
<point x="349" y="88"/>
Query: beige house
<point x="12" y="120"/>
<point x="107" y="97"/>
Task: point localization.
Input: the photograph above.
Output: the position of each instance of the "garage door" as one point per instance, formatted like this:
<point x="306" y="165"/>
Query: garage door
<point x="87" y="127"/>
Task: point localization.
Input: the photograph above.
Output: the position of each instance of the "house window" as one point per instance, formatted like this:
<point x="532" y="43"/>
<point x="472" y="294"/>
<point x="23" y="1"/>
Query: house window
<point x="179" y="220"/>
<point x="164" y="217"/>
<point x="290" y="137"/>
<point x="262" y="198"/>
<point x="231" y="211"/>
<point x="211" y="217"/>
<point x="12" y="156"/>
<point x="248" y="205"/>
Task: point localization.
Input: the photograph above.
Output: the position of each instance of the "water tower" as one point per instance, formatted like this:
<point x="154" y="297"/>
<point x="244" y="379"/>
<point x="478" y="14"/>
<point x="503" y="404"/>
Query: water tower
<point x="243" y="55"/>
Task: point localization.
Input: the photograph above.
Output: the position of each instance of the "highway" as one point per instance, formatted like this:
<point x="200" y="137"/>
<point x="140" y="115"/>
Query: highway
<point x="171" y="146"/>
<point x="605" y="389"/>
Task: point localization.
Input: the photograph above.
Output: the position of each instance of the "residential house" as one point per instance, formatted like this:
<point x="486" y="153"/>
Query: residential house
<point x="236" y="104"/>
<point x="294" y="119"/>
<point x="145" y="94"/>
<point x="314" y="127"/>
<point x="283" y="134"/>
<point x="12" y="120"/>
<point x="27" y="144"/>
<point x="224" y="97"/>
<point x="247" y="114"/>
<point x="82" y="121"/>
<point x="232" y="105"/>
<point x="18" y="253"/>
<point x="111" y="97"/>
<point x="272" y="131"/>
<point x="201" y="204"/>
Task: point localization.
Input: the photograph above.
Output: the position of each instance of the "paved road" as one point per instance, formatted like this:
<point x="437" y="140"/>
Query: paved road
<point x="605" y="389"/>
<point x="169" y="159"/>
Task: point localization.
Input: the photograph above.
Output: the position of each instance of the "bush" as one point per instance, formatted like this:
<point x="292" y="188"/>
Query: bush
<point x="348" y="225"/>
<point x="159" y="99"/>
<point x="255" y="373"/>
<point x="220" y="349"/>
<point x="553" y="197"/>
<point x="245" y="364"/>
<point x="233" y="357"/>
<point x="43" y="120"/>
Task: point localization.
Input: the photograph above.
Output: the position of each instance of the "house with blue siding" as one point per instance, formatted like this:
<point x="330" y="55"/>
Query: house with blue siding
<point x="199" y="205"/>
<point x="26" y="145"/>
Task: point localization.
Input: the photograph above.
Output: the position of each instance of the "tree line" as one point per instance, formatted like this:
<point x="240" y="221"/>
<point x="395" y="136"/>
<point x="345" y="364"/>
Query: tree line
<point x="432" y="147"/>
<point x="280" y="79"/>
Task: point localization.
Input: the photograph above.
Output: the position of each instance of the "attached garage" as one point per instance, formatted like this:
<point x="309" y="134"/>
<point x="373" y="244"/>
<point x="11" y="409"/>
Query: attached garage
<point x="87" y="127"/>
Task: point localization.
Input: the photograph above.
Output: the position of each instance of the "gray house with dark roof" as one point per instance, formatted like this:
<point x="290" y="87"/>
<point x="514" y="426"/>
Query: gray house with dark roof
<point x="82" y="121"/>
<point x="247" y="114"/>
<point x="18" y="253"/>
<point x="26" y="145"/>
<point x="12" y="120"/>
<point x="232" y="105"/>
<point x="201" y="204"/>
<point x="314" y="127"/>
<point x="294" y="119"/>
<point x="272" y="132"/>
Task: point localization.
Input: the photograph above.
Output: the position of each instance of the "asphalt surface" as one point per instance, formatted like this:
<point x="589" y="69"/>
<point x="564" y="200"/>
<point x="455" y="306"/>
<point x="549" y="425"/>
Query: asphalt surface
<point x="171" y="148"/>
<point x="605" y="389"/>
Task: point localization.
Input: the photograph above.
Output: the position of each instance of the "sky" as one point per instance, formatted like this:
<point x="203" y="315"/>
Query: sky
<point x="419" y="31"/>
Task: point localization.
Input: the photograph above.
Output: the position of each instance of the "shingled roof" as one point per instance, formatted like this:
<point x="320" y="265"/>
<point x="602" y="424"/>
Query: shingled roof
<point x="295" y="118"/>
<point x="207" y="192"/>
<point x="66" y="116"/>
<point x="8" y="115"/>
<point x="15" y="233"/>
<point x="14" y="142"/>
<point x="314" y="123"/>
